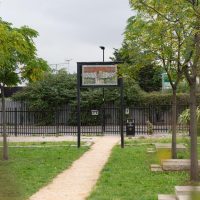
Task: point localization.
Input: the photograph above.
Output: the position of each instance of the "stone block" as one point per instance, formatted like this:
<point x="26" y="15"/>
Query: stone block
<point x="156" y="168"/>
<point x="176" y="165"/>
<point x="166" y="197"/>
<point x="186" y="190"/>
<point x="179" y="147"/>
<point x="183" y="197"/>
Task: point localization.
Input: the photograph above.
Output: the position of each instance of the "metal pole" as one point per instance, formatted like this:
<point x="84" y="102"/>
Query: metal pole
<point x="78" y="108"/>
<point x="103" y="48"/>
<point x="104" y="120"/>
<point x="122" y="113"/>
<point x="57" y="122"/>
<point x="15" y="122"/>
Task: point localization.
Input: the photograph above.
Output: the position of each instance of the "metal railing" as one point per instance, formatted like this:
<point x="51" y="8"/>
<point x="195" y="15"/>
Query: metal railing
<point x="22" y="121"/>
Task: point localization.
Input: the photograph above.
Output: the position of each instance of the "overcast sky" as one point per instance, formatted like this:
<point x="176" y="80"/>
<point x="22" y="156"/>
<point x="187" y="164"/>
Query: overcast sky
<point x="71" y="29"/>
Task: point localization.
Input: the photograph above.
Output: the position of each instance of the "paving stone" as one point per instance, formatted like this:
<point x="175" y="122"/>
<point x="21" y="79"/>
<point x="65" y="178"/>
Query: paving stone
<point x="179" y="147"/>
<point x="151" y="151"/>
<point x="186" y="190"/>
<point x="166" y="197"/>
<point x="183" y="197"/>
<point x="176" y="164"/>
<point x="156" y="168"/>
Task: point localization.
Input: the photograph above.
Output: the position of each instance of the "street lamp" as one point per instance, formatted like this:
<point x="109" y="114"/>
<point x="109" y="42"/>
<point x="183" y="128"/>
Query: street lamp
<point x="104" y="122"/>
<point x="68" y="62"/>
<point x="103" y="48"/>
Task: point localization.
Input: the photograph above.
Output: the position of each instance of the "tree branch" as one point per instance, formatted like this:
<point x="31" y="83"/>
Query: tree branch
<point x="159" y="13"/>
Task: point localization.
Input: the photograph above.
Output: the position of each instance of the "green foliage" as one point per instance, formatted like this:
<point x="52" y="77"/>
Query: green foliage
<point x="35" y="69"/>
<point x="149" y="128"/>
<point x="49" y="93"/>
<point x="56" y="90"/>
<point x="161" y="32"/>
<point x="17" y="54"/>
<point x="158" y="98"/>
<point x="185" y="116"/>
<point x="149" y="78"/>
<point x="132" y="92"/>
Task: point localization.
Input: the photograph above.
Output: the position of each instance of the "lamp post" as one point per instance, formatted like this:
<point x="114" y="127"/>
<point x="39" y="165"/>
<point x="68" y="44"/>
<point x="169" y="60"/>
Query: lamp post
<point x="103" y="48"/>
<point x="104" y="122"/>
<point x="68" y="62"/>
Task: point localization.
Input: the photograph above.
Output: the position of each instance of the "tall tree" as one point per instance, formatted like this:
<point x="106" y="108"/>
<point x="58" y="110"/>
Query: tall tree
<point x="17" y="49"/>
<point x="182" y="16"/>
<point x="159" y="40"/>
<point x="192" y="69"/>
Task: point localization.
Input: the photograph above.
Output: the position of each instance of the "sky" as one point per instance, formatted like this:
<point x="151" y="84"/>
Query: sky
<point x="71" y="31"/>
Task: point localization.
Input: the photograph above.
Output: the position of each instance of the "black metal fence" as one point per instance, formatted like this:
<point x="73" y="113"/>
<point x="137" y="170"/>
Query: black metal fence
<point x="22" y="121"/>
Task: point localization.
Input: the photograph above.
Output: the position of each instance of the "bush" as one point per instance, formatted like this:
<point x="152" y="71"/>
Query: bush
<point x="184" y="118"/>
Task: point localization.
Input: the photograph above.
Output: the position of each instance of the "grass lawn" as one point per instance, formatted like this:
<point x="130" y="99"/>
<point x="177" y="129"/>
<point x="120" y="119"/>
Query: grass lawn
<point x="127" y="174"/>
<point x="28" y="169"/>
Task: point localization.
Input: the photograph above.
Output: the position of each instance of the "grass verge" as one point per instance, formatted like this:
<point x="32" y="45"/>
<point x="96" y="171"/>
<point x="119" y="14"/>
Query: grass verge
<point x="28" y="169"/>
<point x="127" y="176"/>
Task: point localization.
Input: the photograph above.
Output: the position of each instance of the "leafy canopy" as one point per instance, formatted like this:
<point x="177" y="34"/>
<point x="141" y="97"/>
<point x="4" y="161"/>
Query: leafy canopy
<point x="161" y="33"/>
<point x="18" y="54"/>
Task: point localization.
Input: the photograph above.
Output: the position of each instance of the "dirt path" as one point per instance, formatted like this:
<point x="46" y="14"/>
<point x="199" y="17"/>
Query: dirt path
<point x="77" y="182"/>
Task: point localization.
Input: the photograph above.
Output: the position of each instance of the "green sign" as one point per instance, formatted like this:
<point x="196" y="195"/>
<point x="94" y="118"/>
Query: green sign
<point x="165" y="82"/>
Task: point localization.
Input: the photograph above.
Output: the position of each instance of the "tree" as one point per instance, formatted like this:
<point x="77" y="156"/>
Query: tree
<point x="149" y="78"/>
<point x="191" y="69"/>
<point x="182" y="20"/>
<point x="158" y="41"/>
<point x="35" y="70"/>
<point x="17" y="49"/>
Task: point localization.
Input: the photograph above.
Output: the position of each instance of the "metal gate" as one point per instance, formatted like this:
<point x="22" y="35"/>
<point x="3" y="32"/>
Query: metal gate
<point x="100" y="121"/>
<point x="147" y="119"/>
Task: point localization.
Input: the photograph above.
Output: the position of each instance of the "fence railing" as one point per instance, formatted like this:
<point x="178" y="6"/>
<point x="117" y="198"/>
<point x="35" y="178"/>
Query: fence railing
<point x="22" y="121"/>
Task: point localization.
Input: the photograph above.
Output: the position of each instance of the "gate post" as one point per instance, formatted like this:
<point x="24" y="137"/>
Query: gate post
<point x="122" y="113"/>
<point x="78" y="108"/>
<point x="15" y="122"/>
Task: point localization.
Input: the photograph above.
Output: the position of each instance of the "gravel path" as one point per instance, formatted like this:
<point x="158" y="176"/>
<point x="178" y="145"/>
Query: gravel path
<point x="77" y="182"/>
<point x="48" y="139"/>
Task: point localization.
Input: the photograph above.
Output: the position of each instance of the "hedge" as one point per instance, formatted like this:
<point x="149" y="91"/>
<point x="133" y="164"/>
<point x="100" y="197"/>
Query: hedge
<point x="158" y="98"/>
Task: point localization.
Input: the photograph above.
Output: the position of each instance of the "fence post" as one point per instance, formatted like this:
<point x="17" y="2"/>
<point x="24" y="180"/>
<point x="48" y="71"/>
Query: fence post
<point x="122" y="112"/>
<point x="57" y="122"/>
<point x="15" y="121"/>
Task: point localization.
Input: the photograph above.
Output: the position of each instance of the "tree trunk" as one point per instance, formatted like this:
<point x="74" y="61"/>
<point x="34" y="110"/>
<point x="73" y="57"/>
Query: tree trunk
<point x="173" y="124"/>
<point x="5" y="144"/>
<point x="193" y="134"/>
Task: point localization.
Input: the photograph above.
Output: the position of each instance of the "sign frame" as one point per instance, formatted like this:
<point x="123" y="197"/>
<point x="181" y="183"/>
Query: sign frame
<point x="80" y="66"/>
<point x="119" y="85"/>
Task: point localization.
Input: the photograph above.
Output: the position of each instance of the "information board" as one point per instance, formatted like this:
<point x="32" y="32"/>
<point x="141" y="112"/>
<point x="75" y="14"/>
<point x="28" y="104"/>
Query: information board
<point x="99" y="75"/>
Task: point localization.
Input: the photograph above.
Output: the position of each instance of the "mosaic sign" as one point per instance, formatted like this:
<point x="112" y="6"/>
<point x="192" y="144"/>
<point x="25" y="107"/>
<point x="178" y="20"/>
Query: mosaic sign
<point x="99" y="75"/>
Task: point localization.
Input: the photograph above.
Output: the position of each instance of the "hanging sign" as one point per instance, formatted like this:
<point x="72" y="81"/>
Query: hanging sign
<point x="102" y="74"/>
